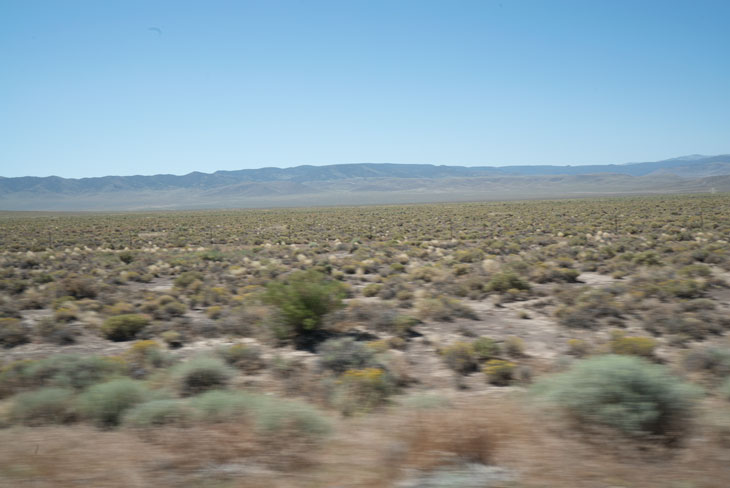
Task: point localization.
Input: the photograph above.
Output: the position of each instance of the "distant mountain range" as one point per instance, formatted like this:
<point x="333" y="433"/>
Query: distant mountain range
<point x="364" y="183"/>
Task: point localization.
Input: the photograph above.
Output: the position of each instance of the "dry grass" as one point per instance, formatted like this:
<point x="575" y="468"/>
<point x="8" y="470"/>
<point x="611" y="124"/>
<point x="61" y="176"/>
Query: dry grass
<point x="437" y="437"/>
<point x="76" y="456"/>
<point x="196" y="456"/>
<point x="373" y="451"/>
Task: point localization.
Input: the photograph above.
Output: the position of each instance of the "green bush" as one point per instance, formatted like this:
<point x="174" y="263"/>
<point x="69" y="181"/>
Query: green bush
<point x="339" y="355"/>
<point x="485" y="348"/>
<point x="503" y="282"/>
<point x="124" y="327"/>
<point x="302" y="300"/>
<point x="158" y="412"/>
<point x="187" y="278"/>
<point x="44" y="406"/>
<point x="623" y="392"/>
<point x="105" y="403"/>
<point x="126" y="257"/>
<point x="472" y="255"/>
<point x="201" y="374"/>
<point x="371" y="290"/>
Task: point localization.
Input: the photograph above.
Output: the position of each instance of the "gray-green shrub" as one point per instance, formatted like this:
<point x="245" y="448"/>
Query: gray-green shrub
<point x="44" y="406"/>
<point x="267" y="414"/>
<point x="158" y="412"/>
<point x="105" y="403"/>
<point x="62" y="370"/>
<point x="339" y="355"/>
<point x="201" y="374"/>
<point x="274" y="415"/>
<point x="623" y="392"/>
<point x="222" y="406"/>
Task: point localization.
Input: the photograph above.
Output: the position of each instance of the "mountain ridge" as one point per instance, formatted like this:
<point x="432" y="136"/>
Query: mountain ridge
<point x="362" y="183"/>
<point x="696" y="167"/>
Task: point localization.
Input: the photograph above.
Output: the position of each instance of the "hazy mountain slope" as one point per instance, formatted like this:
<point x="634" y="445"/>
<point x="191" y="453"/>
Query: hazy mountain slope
<point x="691" y="171"/>
<point x="360" y="191"/>
<point x="362" y="184"/>
<point x="690" y="167"/>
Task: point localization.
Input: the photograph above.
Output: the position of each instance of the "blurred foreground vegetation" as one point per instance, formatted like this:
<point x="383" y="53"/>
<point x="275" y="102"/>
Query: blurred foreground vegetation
<point x="429" y="331"/>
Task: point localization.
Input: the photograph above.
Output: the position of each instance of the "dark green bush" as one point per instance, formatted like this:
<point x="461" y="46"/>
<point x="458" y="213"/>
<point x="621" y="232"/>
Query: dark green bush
<point x="502" y="282"/>
<point x="623" y="392"/>
<point x="485" y="348"/>
<point x="302" y="300"/>
<point x="124" y="327"/>
<point x="126" y="257"/>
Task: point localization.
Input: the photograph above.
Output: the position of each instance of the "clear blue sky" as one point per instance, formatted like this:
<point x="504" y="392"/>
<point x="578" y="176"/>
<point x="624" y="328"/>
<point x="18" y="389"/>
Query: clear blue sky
<point x="87" y="88"/>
